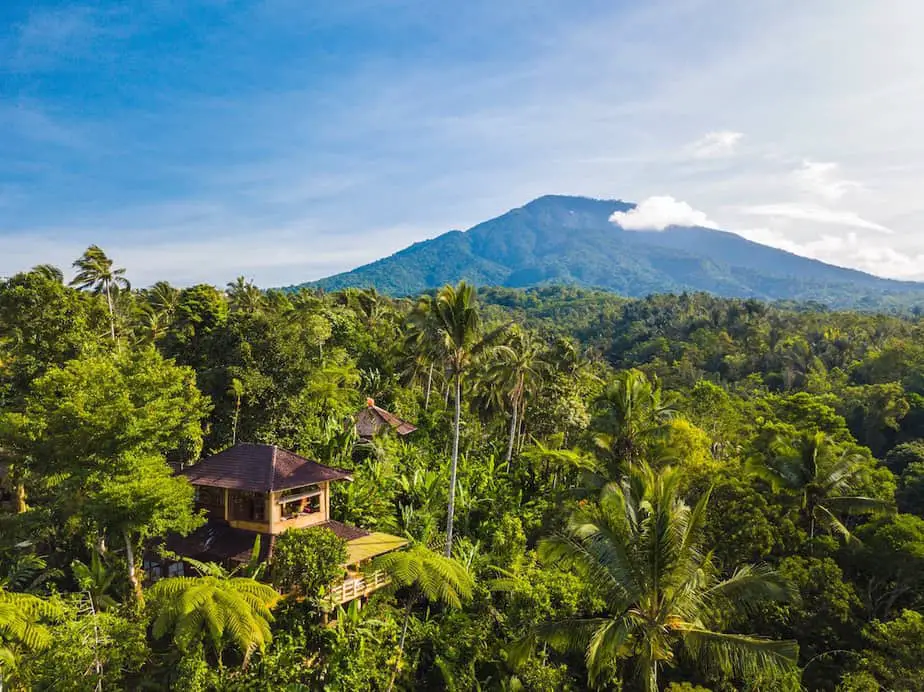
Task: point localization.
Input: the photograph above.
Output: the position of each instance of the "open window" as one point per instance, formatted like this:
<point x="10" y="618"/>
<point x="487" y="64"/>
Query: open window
<point x="302" y="501"/>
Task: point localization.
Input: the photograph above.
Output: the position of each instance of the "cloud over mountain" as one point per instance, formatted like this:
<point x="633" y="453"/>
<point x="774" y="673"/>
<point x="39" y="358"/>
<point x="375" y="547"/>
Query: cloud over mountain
<point x="660" y="212"/>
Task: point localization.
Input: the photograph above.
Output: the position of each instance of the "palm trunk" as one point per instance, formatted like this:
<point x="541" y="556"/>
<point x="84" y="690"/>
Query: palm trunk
<point x="237" y="414"/>
<point x="132" y="574"/>
<point x="455" y="464"/>
<point x="111" y="312"/>
<point x="651" y="677"/>
<point x="513" y="434"/>
<point x="429" y="387"/>
<point x="21" y="498"/>
<point x="407" y="620"/>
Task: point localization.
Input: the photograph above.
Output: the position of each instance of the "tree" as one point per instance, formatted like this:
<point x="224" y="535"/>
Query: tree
<point x="225" y="612"/>
<point x="244" y="296"/>
<point x="96" y="433"/>
<point x="640" y="548"/>
<point x="459" y="325"/>
<point x="95" y="271"/>
<point x="22" y="625"/>
<point x="820" y="480"/>
<point x="236" y="391"/>
<point x="516" y="369"/>
<point x="634" y="415"/>
<point x="429" y="576"/>
<point x="308" y="560"/>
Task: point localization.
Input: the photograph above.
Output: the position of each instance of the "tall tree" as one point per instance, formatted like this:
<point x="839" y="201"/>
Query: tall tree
<point x="517" y="370"/>
<point x="428" y="576"/>
<point x="822" y="479"/>
<point x="459" y="323"/>
<point x="95" y="271"/>
<point x="634" y="416"/>
<point x="640" y="546"/>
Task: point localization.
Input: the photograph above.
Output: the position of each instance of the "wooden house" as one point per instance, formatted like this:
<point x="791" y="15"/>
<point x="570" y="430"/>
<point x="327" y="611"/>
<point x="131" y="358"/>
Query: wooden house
<point x="374" y="420"/>
<point x="258" y="490"/>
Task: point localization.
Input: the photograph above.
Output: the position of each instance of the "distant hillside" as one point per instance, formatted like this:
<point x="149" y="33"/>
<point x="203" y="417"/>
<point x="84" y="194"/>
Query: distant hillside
<point x="570" y="240"/>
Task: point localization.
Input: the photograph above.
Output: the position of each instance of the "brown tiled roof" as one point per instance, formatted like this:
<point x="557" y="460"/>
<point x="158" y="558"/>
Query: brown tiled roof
<point x="260" y="468"/>
<point x="216" y="541"/>
<point x="399" y="425"/>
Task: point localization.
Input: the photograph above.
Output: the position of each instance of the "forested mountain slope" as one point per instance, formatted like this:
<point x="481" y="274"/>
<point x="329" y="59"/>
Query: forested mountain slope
<point x="570" y="240"/>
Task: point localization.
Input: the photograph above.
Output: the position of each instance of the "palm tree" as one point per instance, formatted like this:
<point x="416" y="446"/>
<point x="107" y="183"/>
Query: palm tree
<point x="95" y="271"/>
<point x="225" y="609"/>
<point x="50" y="272"/>
<point x="459" y="323"/>
<point x="163" y="297"/>
<point x="640" y="548"/>
<point x="429" y="576"/>
<point x="635" y="416"/>
<point x="423" y="343"/>
<point x="517" y="370"/>
<point x="244" y="296"/>
<point x="823" y="483"/>
<point x="235" y="391"/>
<point x="21" y="627"/>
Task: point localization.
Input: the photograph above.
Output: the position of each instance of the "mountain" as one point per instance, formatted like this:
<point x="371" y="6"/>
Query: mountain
<point x="570" y="240"/>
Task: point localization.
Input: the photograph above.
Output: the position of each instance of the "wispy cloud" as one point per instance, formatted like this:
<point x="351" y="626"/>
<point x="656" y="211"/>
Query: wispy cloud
<point x="823" y="179"/>
<point x="715" y="145"/>
<point x="816" y="214"/>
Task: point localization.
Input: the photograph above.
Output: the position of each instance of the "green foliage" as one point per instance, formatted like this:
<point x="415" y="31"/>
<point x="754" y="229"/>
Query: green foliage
<point x="90" y="651"/>
<point x="223" y="612"/>
<point x="308" y="561"/>
<point x="639" y="544"/>
<point x="807" y="400"/>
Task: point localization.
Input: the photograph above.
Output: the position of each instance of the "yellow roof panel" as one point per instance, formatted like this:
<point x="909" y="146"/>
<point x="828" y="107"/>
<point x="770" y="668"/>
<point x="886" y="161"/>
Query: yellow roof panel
<point x="363" y="548"/>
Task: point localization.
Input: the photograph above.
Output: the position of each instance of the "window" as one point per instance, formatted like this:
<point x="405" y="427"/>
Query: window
<point x="247" y="506"/>
<point x="175" y="569"/>
<point x="292" y="508"/>
<point x="210" y="498"/>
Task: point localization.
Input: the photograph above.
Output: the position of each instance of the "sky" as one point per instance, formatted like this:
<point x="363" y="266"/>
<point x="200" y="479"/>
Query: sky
<point x="284" y="140"/>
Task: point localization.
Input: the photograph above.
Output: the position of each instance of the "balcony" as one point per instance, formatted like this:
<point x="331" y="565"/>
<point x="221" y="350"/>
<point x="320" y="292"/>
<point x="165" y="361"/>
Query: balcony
<point x="354" y="587"/>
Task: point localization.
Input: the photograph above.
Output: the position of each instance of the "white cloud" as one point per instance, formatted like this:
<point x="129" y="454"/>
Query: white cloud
<point x="714" y="145"/>
<point x="847" y="251"/>
<point x="814" y="214"/>
<point x="822" y="179"/>
<point x="659" y="212"/>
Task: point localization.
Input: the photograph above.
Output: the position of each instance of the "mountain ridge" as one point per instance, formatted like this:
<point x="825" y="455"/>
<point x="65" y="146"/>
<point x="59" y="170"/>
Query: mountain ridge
<point x="570" y="240"/>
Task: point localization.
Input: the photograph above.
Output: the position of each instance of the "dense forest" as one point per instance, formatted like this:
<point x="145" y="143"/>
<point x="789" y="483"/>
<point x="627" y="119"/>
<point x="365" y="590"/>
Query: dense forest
<point x="678" y="492"/>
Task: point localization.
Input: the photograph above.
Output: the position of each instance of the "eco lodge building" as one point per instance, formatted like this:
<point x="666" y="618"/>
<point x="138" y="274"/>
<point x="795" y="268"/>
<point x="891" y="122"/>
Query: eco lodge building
<point x="259" y="490"/>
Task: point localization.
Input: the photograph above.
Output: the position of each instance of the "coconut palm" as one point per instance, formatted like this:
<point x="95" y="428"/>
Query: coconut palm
<point x="22" y="628"/>
<point x="244" y="296"/>
<point x="95" y="271"/>
<point x="635" y="415"/>
<point x="227" y="611"/>
<point x="640" y="548"/>
<point x="50" y="272"/>
<point x="236" y="392"/>
<point x="426" y="575"/>
<point x="459" y="326"/>
<point x="516" y="369"/>
<point x="423" y="344"/>
<point x="822" y="482"/>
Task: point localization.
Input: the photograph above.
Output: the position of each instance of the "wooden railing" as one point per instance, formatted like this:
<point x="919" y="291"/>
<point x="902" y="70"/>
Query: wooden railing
<point x="353" y="587"/>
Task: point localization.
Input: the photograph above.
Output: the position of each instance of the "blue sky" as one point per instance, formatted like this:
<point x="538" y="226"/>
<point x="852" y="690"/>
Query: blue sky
<point x="286" y="140"/>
